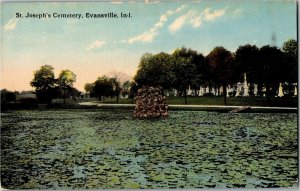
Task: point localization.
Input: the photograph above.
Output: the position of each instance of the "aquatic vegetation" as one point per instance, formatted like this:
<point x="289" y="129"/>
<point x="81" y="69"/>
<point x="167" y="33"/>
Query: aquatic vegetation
<point x="90" y="149"/>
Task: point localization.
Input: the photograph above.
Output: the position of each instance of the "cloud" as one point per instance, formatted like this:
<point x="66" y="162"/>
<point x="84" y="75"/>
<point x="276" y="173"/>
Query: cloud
<point x="195" y="18"/>
<point x="212" y="15"/>
<point x="191" y="17"/>
<point x="96" y="44"/>
<point x="178" y="23"/>
<point x="149" y="35"/>
<point x="11" y="24"/>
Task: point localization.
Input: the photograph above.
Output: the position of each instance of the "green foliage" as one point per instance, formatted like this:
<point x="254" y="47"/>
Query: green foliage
<point x="246" y="61"/>
<point x="103" y="86"/>
<point x="48" y="87"/>
<point x="7" y="96"/>
<point x="66" y="78"/>
<point x="126" y="88"/>
<point x="220" y="61"/>
<point x="290" y="50"/>
<point x="106" y="86"/>
<point x="133" y="90"/>
<point x="155" y="70"/>
<point x="188" y="68"/>
<point x="88" y="87"/>
<point x="266" y="66"/>
<point x="45" y="84"/>
<point x="241" y="101"/>
<point x="271" y="68"/>
<point x="184" y="68"/>
<point x="116" y="86"/>
<point x="44" y="78"/>
<point x="271" y="59"/>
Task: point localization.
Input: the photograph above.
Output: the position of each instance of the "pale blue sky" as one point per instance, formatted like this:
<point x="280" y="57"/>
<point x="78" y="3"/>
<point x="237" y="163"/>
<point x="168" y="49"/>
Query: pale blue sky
<point x="93" y="47"/>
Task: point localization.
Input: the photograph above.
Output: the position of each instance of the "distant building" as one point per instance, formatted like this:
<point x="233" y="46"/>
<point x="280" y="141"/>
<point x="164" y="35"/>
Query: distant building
<point x="26" y="95"/>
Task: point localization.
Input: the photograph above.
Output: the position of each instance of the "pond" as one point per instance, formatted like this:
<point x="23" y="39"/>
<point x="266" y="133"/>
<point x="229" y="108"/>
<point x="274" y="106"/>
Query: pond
<point x="95" y="149"/>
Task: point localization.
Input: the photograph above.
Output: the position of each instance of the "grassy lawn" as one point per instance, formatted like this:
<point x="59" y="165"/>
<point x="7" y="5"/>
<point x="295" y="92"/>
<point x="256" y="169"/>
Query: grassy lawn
<point x="96" y="149"/>
<point x="243" y="101"/>
<point x="219" y="100"/>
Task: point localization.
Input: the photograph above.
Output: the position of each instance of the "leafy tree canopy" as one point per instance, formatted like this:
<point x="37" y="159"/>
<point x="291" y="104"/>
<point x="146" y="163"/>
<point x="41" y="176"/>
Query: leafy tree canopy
<point x="66" y="78"/>
<point x="290" y="48"/>
<point x="88" y="87"/>
<point x="188" y="67"/>
<point x="271" y="64"/>
<point x="45" y="84"/>
<point x="44" y="78"/>
<point x="220" y="61"/>
<point x="103" y="86"/>
<point x="155" y="70"/>
<point x="246" y="61"/>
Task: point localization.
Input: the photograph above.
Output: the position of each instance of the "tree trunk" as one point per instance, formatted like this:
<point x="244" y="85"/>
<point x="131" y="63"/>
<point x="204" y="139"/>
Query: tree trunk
<point x="259" y="89"/>
<point x="215" y="90"/>
<point x="117" y="98"/>
<point x="224" y="94"/>
<point x="268" y="94"/>
<point x="64" y="96"/>
<point x="185" y="97"/>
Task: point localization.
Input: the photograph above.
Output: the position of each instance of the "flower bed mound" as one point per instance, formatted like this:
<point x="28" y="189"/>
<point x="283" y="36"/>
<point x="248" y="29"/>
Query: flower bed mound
<point x="150" y="103"/>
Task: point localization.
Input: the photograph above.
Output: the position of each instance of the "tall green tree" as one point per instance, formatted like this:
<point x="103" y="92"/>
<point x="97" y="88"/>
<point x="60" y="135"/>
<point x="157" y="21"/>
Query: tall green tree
<point x="45" y="84"/>
<point x="88" y="87"/>
<point x="7" y="96"/>
<point x="116" y="87"/>
<point x="188" y="69"/>
<point x="155" y="70"/>
<point x="102" y="87"/>
<point x="220" y="61"/>
<point x="126" y="88"/>
<point x="246" y="61"/>
<point x="133" y="90"/>
<point x="65" y="80"/>
<point x="271" y="67"/>
<point x="290" y="50"/>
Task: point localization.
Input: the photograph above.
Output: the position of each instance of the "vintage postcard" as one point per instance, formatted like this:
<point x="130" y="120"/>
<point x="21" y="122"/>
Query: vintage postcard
<point x="197" y="94"/>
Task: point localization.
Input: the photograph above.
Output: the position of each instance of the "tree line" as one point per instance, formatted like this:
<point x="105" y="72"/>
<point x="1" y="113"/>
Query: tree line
<point x="113" y="86"/>
<point x="266" y="66"/>
<point x="48" y="87"/>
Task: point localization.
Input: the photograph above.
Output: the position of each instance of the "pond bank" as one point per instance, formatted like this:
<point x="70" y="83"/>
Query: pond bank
<point x="218" y="108"/>
<point x="92" y="105"/>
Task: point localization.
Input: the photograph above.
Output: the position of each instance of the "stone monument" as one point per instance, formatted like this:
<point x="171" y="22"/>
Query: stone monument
<point x="255" y="91"/>
<point x="280" y="91"/>
<point x="246" y="88"/>
<point x="238" y="89"/>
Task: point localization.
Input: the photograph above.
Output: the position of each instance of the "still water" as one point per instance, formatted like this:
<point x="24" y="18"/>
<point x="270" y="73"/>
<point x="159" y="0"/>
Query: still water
<point x="94" y="149"/>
